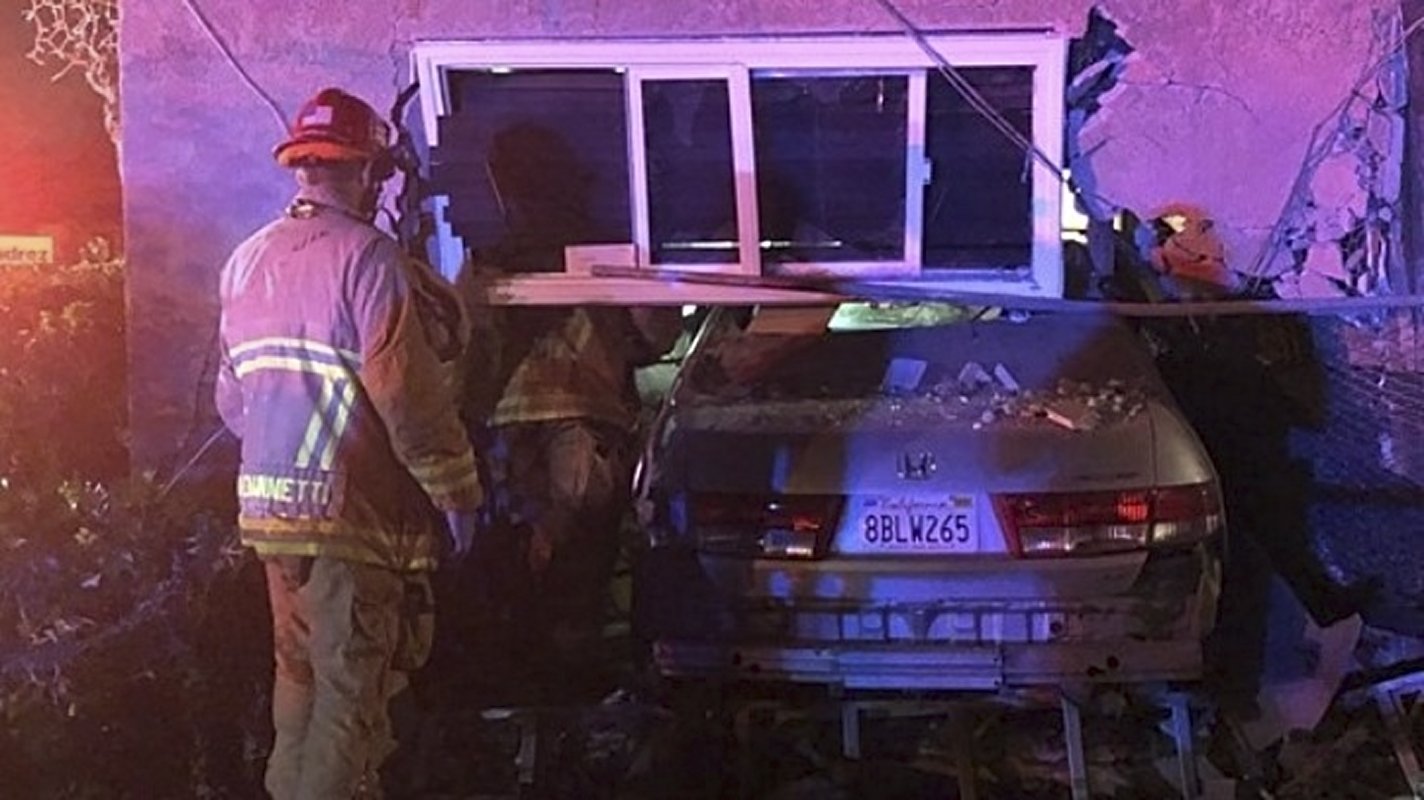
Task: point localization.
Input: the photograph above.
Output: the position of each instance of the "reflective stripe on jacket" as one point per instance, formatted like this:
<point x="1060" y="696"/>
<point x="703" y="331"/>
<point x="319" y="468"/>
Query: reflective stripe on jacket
<point x="350" y="440"/>
<point x="581" y="366"/>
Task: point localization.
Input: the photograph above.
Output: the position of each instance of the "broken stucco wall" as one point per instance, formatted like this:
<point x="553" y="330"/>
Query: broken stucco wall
<point x="1295" y="162"/>
<point x="1215" y="108"/>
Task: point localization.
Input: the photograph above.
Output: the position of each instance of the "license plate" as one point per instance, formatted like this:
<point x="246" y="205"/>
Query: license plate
<point x="917" y="525"/>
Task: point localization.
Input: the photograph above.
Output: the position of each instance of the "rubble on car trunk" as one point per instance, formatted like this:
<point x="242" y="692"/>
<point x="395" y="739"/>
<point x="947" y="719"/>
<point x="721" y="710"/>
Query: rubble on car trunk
<point x="1073" y="405"/>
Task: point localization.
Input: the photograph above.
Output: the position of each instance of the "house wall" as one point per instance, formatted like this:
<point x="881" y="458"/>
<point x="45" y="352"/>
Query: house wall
<point x="1215" y="110"/>
<point x="61" y="177"/>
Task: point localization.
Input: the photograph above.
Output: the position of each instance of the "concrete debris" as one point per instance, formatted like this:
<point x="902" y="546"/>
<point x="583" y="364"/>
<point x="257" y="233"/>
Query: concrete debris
<point x="1352" y="197"/>
<point x="1388" y="131"/>
<point x="1308" y="285"/>
<point x="1305" y="665"/>
<point x="1096" y="64"/>
<point x="1391" y="343"/>
<point x="972" y="378"/>
<point x="1325" y="260"/>
<point x="1073" y="414"/>
<point x="1327" y="224"/>
<point x="1006" y="379"/>
<point x="1385" y="650"/>
<point x="1073" y="405"/>
<point x="903" y="375"/>
<point x="811" y="416"/>
<point x="1337" y="185"/>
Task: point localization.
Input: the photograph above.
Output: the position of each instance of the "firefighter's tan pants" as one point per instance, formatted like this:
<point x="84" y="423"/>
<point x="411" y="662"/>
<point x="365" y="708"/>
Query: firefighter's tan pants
<point x="342" y="633"/>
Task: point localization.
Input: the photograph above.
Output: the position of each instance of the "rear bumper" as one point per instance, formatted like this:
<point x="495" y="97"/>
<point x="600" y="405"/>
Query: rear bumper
<point x="1144" y="625"/>
<point x="942" y="667"/>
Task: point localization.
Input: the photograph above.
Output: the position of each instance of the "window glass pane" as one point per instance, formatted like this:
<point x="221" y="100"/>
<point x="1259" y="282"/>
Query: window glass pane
<point x="534" y="160"/>
<point x="692" y="204"/>
<point x="978" y="204"/>
<point x="830" y="156"/>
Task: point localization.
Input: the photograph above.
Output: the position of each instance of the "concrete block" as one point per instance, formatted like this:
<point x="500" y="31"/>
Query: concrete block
<point x="1325" y="260"/>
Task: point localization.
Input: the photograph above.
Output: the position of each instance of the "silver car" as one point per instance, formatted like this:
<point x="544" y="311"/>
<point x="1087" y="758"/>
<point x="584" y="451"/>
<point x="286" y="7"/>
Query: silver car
<point x="919" y="499"/>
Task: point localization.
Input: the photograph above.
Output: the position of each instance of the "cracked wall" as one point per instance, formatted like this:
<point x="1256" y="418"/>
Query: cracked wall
<point x="1337" y="232"/>
<point x="1214" y="108"/>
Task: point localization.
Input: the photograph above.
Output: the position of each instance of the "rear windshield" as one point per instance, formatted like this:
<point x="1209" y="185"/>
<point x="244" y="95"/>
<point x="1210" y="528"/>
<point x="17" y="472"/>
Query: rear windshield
<point x="1060" y="354"/>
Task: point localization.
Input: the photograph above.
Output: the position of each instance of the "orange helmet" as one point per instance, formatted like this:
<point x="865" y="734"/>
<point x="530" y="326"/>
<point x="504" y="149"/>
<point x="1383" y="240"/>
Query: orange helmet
<point x="335" y="126"/>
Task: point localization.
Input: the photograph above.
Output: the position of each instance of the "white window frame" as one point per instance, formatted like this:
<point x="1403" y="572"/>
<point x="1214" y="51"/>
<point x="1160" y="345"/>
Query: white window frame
<point x="739" y="60"/>
<point x="908" y="266"/>
<point x="743" y="162"/>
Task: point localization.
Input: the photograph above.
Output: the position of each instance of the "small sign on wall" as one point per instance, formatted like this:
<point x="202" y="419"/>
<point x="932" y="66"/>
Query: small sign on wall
<point x="24" y="251"/>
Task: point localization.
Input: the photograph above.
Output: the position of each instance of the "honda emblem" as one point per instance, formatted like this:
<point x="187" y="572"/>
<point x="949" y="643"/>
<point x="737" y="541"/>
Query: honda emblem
<point x="917" y="466"/>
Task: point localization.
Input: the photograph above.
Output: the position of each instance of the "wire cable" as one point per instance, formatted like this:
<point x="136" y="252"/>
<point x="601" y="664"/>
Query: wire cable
<point x="821" y="290"/>
<point x="213" y="438"/>
<point x="983" y="107"/>
<point x="217" y="40"/>
<point x="1316" y="152"/>
<point x="966" y="89"/>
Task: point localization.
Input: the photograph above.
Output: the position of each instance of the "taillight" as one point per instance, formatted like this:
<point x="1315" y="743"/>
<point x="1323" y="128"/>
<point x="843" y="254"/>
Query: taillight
<point x="1088" y="523"/>
<point x="765" y="526"/>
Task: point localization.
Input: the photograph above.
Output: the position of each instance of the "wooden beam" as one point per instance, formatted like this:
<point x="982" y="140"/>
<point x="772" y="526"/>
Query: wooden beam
<point x="631" y="286"/>
<point x="562" y="290"/>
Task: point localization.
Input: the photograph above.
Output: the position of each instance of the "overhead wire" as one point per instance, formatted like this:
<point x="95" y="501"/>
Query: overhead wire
<point x="822" y="290"/>
<point x="222" y="47"/>
<point x="216" y="435"/>
<point x="966" y="89"/>
<point x="962" y="85"/>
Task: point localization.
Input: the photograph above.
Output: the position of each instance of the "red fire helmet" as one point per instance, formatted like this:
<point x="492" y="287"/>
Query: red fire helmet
<point x="334" y="126"/>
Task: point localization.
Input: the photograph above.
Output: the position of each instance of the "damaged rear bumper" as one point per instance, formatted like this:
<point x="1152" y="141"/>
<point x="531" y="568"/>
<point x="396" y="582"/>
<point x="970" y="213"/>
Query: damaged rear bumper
<point x="947" y="668"/>
<point x="1142" y="621"/>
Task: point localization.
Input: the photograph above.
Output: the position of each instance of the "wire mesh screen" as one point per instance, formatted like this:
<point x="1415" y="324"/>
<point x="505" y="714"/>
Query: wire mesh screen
<point x="1366" y="508"/>
<point x="1317" y="427"/>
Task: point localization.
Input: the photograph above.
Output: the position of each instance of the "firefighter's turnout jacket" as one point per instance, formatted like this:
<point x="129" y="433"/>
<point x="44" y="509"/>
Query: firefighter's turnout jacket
<point x="350" y="439"/>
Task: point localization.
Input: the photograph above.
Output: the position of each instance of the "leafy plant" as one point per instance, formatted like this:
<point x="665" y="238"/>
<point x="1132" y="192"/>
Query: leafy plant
<point x="133" y="643"/>
<point x="62" y="387"/>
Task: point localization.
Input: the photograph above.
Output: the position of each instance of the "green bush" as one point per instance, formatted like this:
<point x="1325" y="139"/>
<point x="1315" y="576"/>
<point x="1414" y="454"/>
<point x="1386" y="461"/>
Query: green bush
<point x="62" y="367"/>
<point x="133" y="647"/>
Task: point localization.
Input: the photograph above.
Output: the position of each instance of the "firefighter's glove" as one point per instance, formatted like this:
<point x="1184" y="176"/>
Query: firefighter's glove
<point x="461" y="527"/>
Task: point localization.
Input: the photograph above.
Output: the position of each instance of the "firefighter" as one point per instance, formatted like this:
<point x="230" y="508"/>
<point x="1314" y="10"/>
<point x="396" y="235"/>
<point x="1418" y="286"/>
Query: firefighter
<point x="561" y="411"/>
<point x="356" y="476"/>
